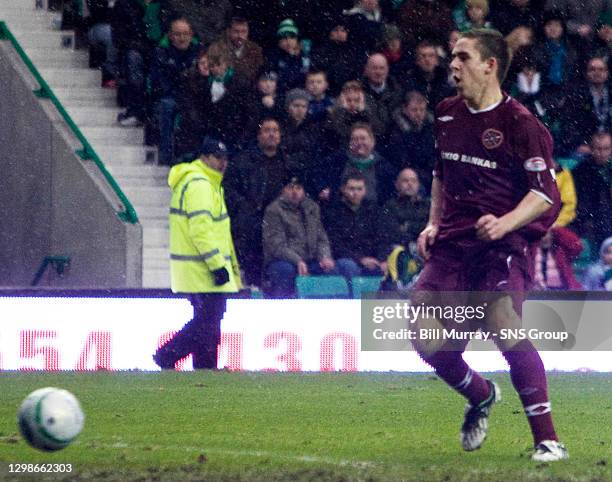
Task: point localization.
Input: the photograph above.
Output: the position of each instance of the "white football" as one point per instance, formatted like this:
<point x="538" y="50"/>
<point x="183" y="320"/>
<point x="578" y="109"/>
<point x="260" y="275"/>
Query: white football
<point x="50" y="418"/>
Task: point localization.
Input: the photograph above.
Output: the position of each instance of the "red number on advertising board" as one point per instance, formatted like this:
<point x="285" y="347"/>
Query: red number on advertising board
<point x="328" y="352"/>
<point x="33" y="343"/>
<point x="290" y="359"/>
<point x="100" y="343"/>
<point x="231" y="349"/>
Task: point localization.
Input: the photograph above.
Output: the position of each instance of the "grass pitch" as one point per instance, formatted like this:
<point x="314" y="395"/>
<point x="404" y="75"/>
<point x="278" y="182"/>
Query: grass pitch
<point x="284" y="426"/>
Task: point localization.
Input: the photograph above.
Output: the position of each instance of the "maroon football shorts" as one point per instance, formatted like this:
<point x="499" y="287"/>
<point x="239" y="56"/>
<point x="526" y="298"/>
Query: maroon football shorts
<point x="475" y="266"/>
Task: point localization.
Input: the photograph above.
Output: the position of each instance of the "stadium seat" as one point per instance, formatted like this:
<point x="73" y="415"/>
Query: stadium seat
<point x="321" y="287"/>
<point x="365" y="284"/>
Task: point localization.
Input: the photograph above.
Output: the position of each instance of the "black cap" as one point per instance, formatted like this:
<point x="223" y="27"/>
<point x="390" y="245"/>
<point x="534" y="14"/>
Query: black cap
<point x="213" y="146"/>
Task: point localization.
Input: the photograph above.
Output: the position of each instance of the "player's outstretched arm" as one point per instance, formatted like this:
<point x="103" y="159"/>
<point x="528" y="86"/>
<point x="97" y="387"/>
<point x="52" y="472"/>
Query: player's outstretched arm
<point x="531" y="207"/>
<point x="428" y="235"/>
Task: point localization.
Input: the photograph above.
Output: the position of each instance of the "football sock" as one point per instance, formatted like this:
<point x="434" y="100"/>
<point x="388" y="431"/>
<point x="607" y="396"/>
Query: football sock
<point x="529" y="380"/>
<point x="452" y="368"/>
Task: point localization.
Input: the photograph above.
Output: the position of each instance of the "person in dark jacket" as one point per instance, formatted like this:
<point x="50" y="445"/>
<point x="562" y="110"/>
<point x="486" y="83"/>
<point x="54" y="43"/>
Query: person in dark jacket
<point x="136" y="29"/>
<point x="265" y="102"/>
<point x="360" y="155"/>
<point x="253" y="181"/>
<point x="208" y="18"/>
<point x="213" y="105"/>
<point x="428" y="76"/>
<point x="287" y="59"/>
<point x="411" y="142"/>
<point x="171" y="62"/>
<point x="350" y="223"/>
<point x="403" y="216"/>
<point x="294" y="240"/>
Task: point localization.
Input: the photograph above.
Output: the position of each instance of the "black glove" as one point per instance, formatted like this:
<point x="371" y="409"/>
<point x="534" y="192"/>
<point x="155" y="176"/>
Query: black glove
<point x="221" y="276"/>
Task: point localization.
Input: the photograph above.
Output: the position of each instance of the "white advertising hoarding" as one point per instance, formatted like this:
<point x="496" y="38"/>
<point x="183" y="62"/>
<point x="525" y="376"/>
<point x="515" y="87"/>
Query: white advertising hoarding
<point x="72" y="333"/>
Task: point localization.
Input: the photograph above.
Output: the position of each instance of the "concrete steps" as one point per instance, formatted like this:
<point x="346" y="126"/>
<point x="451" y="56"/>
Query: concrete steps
<point x="94" y="110"/>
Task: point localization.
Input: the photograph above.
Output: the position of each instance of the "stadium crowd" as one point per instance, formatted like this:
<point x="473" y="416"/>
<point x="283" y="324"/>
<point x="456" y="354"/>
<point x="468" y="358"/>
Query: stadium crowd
<point x="328" y="110"/>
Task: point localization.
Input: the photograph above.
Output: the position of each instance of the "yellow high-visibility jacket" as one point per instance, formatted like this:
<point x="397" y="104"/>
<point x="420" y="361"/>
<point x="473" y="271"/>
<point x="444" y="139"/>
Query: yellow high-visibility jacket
<point x="200" y="235"/>
<point x="567" y="191"/>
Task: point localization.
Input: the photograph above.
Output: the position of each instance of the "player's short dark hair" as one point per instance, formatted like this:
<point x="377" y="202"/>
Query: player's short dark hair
<point x="491" y="43"/>
<point x="352" y="174"/>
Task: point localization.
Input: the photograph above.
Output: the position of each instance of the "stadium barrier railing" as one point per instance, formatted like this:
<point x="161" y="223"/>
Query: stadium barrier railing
<point x="87" y="152"/>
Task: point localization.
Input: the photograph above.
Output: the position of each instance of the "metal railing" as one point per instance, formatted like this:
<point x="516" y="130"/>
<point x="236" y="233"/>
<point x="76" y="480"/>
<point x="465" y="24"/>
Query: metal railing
<point x="87" y="152"/>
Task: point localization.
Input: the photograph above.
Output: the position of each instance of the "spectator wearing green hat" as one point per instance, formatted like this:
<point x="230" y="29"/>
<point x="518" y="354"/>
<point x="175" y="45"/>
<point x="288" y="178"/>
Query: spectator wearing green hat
<point x="287" y="59"/>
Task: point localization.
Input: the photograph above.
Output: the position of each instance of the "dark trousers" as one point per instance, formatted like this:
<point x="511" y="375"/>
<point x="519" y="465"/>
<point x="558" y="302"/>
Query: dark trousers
<point x="200" y="337"/>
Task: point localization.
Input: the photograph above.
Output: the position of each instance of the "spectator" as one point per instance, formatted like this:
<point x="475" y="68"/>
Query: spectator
<point x="382" y="90"/>
<point x="252" y="182"/>
<point x="246" y="56"/>
<point x="398" y="56"/>
<point x="553" y="260"/>
<point x="171" y="62"/>
<point x="137" y="28"/>
<point x="365" y="24"/>
<point x="510" y="16"/>
<point x="586" y="108"/>
<point x="428" y="76"/>
<point x="99" y="34"/>
<point x="352" y="106"/>
<point x="411" y="143"/>
<point x="320" y="102"/>
<point x="555" y="57"/>
<point x="560" y="246"/>
<point x="208" y="18"/>
<point x="213" y="105"/>
<point x="294" y="240"/>
<point x="303" y="140"/>
<point x="287" y="59"/>
<point x="603" y="41"/>
<point x="266" y="101"/>
<point x="404" y="216"/>
<point x="475" y="15"/>
<point x="581" y="16"/>
<point x="421" y="20"/>
<point x="336" y="56"/>
<point x="360" y="155"/>
<point x="593" y="178"/>
<point x="350" y="222"/>
<point x="598" y="276"/>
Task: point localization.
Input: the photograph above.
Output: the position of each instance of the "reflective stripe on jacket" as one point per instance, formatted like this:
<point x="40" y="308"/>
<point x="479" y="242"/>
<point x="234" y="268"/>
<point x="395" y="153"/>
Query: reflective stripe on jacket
<point x="200" y="236"/>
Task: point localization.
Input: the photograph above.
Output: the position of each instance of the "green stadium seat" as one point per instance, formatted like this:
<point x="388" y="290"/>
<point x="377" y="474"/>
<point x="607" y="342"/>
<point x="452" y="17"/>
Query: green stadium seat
<point x="321" y="287"/>
<point x="365" y="284"/>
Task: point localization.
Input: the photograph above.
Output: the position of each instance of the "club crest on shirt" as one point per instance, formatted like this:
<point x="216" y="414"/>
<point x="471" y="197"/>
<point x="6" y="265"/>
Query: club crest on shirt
<point x="492" y="138"/>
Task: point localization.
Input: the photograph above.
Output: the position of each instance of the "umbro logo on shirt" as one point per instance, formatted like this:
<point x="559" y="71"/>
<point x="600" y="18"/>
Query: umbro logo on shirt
<point x="445" y="118"/>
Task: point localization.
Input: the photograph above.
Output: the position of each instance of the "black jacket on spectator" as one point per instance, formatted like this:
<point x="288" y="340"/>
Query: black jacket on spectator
<point x="340" y="120"/>
<point x="99" y="12"/>
<point x="594" y="192"/>
<point x="385" y="102"/>
<point x="303" y="145"/>
<point x="435" y="89"/>
<point x="401" y="222"/>
<point x="338" y="61"/>
<point x="379" y="175"/>
<point x="506" y="16"/>
<point x="412" y="147"/>
<point x="253" y="180"/>
<point x="352" y="233"/>
<point x="200" y="116"/>
<point x="364" y="34"/>
<point x="170" y="67"/>
<point x="129" y="29"/>
<point x="291" y="69"/>
<point x="577" y="118"/>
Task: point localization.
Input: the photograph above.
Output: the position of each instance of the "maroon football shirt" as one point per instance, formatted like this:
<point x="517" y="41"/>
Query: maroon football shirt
<point x="487" y="162"/>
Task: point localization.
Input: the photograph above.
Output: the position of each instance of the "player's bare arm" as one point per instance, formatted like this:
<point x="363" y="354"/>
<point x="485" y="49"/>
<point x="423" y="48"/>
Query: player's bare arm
<point x="428" y="235"/>
<point x="531" y="207"/>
